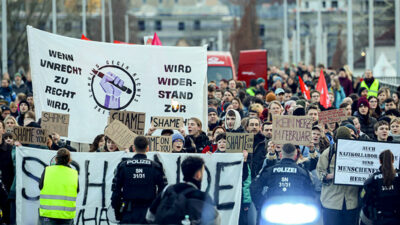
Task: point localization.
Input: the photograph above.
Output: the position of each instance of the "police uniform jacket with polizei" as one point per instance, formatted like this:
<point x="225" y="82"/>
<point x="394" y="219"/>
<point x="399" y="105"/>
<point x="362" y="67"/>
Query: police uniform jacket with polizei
<point x="381" y="204"/>
<point x="59" y="188"/>
<point x="284" y="178"/>
<point x="137" y="182"/>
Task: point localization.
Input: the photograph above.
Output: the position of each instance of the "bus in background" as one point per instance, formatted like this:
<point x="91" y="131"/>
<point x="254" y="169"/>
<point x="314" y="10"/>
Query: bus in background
<point x="252" y="65"/>
<point x="220" y="66"/>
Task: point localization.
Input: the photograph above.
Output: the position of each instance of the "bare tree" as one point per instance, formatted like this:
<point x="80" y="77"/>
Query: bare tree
<point x="245" y="36"/>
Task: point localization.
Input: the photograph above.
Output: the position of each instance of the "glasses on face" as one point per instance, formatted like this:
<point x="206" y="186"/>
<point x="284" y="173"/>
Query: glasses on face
<point x="373" y="101"/>
<point x="6" y="138"/>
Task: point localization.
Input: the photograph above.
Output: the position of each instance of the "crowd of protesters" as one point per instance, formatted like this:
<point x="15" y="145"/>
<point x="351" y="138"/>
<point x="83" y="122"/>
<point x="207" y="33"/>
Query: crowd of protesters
<point x="234" y="106"/>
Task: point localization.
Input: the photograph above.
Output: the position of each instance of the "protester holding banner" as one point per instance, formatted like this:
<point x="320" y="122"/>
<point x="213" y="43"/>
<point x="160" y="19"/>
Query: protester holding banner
<point x="136" y="184"/>
<point x="339" y="202"/>
<point x="178" y="141"/>
<point x="381" y="194"/>
<point x="98" y="144"/>
<point x="197" y="140"/>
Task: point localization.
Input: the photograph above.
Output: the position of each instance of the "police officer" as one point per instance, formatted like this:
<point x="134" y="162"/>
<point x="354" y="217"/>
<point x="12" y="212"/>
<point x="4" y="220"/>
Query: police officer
<point x="381" y="194"/>
<point x="59" y="189"/>
<point x="286" y="178"/>
<point x="136" y="184"/>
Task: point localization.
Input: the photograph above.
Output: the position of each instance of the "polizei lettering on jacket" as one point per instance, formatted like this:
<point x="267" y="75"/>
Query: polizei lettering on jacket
<point x="284" y="170"/>
<point x="138" y="161"/>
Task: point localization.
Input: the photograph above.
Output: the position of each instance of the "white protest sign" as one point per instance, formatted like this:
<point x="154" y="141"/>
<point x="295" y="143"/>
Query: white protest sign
<point x="356" y="160"/>
<point x="222" y="180"/>
<point x="88" y="79"/>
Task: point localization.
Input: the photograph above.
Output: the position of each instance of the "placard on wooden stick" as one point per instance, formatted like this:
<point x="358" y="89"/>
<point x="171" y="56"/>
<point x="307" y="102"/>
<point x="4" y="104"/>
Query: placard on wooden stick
<point x="332" y="116"/>
<point x="237" y="142"/>
<point x="135" y="121"/>
<point x="164" y="122"/>
<point x="30" y="135"/>
<point x="55" y="122"/>
<point x="292" y="129"/>
<point x="120" y="134"/>
<point x="160" y="143"/>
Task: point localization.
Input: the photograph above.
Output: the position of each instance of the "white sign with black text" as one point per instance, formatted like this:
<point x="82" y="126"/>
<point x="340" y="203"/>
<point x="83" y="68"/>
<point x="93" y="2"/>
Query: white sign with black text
<point x="357" y="160"/>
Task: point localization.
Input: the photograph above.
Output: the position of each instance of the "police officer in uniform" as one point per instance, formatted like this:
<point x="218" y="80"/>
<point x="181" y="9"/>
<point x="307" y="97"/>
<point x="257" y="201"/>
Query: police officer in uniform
<point x="381" y="194"/>
<point x="285" y="178"/>
<point x="136" y="184"/>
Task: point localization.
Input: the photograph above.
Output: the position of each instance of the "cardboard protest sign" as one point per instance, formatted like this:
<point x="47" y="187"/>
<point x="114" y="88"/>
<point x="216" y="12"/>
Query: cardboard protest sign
<point x="88" y="79"/>
<point x="356" y="161"/>
<point x="120" y="134"/>
<point x="133" y="120"/>
<point x="332" y="116"/>
<point x="292" y="129"/>
<point x="55" y="122"/>
<point x="164" y="122"/>
<point x="237" y="142"/>
<point x="160" y="143"/>
<point x="30" y="135"/>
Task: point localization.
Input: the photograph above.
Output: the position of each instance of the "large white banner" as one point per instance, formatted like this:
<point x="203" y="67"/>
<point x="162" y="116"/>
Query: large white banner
<point x="356" y="160"/>
<point x="87" y="79"/>
<point x="222" y="180"/>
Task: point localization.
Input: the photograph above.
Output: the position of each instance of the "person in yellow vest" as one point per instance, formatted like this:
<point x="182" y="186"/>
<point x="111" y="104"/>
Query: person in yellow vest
<point x="59" y="188"/>
<point x="370" y="83"/>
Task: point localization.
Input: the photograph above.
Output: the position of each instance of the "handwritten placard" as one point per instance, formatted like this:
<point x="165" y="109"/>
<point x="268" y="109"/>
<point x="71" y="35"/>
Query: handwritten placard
<point x="237" y="142"/>
<point x="30" y="135"/>
<point x="332" y="116"/>
<point x="120" y="134"/>
<point x="357" y="160"/>
<point x="135" y="121"/>
<point x="291" y="129"/>
<point x="160" y="143"/>
<point x="55" y="122"/>
<point x="164" y="122"/>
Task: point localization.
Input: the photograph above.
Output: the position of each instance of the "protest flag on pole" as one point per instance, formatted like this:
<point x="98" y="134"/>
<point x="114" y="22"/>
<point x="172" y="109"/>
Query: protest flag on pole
<point x="304" y="89"/>
<point x="84" y="37"/>
<point x="323" y="90"/>
<point x="156" y="40"/>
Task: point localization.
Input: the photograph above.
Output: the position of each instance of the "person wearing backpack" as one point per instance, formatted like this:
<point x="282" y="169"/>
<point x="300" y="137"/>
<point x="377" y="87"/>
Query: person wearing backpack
<point x="136" y="183"/>
<point x="178" y="201"/>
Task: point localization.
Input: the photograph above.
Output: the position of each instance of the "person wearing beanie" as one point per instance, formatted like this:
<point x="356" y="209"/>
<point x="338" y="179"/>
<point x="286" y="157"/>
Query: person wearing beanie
<point x="23" y="108"/>
<point x="18" y="85"/>
<point x="300" y="111"/>
<point x="260" y="86"/>
<point x="339" y="202"/>
<point x="270" y="97"/>
<point x="363" y="92"/>
<point x="253" y="87"/>
<point x="366" y="121"/>
<point x="301" y="103"/>
<point x="178" y="141"/>
<point x="213" y="119"/>
<point x="353" y="130"/>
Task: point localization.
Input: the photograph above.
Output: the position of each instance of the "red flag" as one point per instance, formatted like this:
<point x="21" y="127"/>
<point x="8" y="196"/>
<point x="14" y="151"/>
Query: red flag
<point x="323" y="89"/>
<point x="304" y="89"/>
<point x="156" y="40"/>
<point x="85" y="38"/>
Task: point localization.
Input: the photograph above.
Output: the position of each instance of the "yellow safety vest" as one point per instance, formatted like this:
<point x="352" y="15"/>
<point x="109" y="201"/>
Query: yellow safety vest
<point x="58" y="195"/>
<point x="373" y="90"/>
